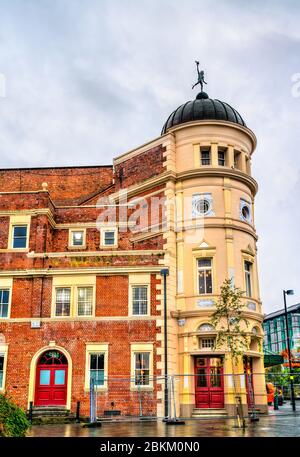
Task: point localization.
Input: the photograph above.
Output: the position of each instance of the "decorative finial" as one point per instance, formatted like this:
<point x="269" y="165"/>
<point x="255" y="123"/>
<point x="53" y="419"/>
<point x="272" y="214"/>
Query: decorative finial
<point x="45" y="186"/>
<point x="200" y="77"/>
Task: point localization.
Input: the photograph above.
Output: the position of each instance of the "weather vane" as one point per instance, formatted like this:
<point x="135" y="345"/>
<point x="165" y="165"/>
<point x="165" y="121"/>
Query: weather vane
<point x="200" y="77"/>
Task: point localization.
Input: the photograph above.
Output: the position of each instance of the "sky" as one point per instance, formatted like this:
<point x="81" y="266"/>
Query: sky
<point x="83" y="81"/>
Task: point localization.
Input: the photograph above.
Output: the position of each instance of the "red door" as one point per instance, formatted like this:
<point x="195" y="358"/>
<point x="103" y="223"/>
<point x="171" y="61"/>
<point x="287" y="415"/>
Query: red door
<point x="51" y="380"/>
<point x="209" y="384"/>
<point x="249" y="381"/>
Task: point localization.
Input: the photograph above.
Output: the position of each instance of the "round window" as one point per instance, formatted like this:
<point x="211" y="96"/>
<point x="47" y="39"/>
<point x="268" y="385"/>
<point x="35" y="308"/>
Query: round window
<point x="202" y="206"/>
<point x="246" y="212"/>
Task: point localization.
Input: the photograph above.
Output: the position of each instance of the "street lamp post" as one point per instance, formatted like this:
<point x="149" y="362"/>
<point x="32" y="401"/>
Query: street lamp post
<point x="164" y="273"/>
<point x="285" y="293"/>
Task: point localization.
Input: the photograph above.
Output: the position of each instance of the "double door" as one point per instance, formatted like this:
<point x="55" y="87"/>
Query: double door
<point x="51" y="385"/>
<point x="209" y="382"/>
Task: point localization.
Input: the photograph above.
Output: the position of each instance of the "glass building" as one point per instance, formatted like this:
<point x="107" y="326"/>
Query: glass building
<point x="275" y="330"/>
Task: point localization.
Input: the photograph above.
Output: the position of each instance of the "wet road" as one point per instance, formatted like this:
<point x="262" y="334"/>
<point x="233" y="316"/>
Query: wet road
<point x="274" y="425"/>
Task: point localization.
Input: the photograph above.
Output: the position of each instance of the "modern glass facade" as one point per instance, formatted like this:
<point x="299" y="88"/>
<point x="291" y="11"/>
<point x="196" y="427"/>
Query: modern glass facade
<point x="275" y="330"/>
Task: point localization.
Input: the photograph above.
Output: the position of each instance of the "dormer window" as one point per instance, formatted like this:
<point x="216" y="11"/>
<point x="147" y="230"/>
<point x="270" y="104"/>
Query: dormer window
<point x="205" y="156"/>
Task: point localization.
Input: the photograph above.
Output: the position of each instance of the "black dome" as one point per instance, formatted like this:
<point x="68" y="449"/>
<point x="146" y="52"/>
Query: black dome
<point x="201" y="109"/>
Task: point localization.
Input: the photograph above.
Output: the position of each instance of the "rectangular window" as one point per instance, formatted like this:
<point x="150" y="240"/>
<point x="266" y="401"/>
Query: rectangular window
<point x="237" y="156"/>
<point x="205" y="156"/>
<point x="221" y="158"/>
<point x="4" y="301"/>
<point x="97" y="369"/>
<point x="63" y="301"/>
<point x="139" y="300"/>
<point x="85" y="301"/>
<point x="207" y="343"/>
<point x="77" y="238"/>
<point x="109" y="238"/>
<point x="1" y="370"/>
<point x="248" y="270"/>
<point x="142" y="369"/>
<point x="205" y="276"/>
<point x="19" y="236"/>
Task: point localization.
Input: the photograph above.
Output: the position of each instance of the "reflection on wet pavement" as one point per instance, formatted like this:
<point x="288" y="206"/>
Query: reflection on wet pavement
<point x="273" y="425"/>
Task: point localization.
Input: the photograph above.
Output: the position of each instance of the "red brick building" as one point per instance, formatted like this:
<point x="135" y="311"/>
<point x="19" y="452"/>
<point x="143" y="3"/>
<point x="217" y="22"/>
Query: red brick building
<point x="77" y="299"/>
<point x="81" y="251"/>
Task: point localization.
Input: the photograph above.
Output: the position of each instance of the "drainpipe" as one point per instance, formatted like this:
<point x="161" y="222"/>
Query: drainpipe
<point x="164" y="273"/>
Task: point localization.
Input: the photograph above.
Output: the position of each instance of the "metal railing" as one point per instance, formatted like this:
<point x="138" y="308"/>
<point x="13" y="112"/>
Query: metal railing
<point x="125" y="397"/>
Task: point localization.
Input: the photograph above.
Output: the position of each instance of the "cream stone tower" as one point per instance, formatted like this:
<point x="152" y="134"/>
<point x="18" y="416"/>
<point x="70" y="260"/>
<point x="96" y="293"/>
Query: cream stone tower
<point x="211" y="237"/>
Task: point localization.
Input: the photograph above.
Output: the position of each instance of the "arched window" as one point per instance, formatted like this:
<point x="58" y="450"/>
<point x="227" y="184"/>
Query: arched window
<point x="206" y="328"/>
<point x="255" y="330"/>
<point x="53" y="358"/>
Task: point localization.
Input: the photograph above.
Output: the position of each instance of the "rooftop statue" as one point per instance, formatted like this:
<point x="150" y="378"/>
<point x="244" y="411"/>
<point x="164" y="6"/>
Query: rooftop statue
<point x="200" y="77"/>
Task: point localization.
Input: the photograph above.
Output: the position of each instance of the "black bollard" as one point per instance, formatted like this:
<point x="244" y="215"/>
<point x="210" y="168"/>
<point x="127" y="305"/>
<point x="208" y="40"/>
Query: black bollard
<point x="77" y="420"/>
<point x="30" y="411"/>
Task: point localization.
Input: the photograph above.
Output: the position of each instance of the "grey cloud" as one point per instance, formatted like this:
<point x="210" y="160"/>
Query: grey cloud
<point x="87" y="81"/>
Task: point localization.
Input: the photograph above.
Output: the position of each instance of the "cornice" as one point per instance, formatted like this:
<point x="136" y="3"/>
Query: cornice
<point x="219" y="173"/>
<point x="81" y="271"/>
<point x="115" y="253"/>
<point x="70" y="320"/>
<point x="208" y="312"/>
<point x="233" y="125"/>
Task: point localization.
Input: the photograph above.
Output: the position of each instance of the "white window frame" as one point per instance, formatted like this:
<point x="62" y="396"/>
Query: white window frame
<point x="8" y="303"/>
<point x="139" y="280"/>
<point x="73" y="300"/>
<point x="77" y="246"/>
<point x="135" y="349"/>
<point x="132" y="286"/>
<point x="55" y="304"/>
<point x="204" y="269"/>
<point x="102" y="237"/>
<point x="248" y="274"/>
<point x="96" y="348"/>
<point x="13" y="237"/>
<point x="18" y="220"/>
<point x="7" y="284"/>
<point x="77" y="301"/>
<point x="206" y="348"/>
<point x="4" y="353"/>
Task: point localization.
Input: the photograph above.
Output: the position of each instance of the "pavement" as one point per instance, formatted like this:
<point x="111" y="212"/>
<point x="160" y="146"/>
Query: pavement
<point x="281" y="423"/>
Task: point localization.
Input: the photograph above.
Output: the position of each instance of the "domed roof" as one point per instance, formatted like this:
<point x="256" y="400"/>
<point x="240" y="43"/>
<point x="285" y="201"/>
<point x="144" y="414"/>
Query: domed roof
<point x="203" y="108"/>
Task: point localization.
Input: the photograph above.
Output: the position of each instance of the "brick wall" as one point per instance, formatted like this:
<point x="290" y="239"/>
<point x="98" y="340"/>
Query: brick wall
<point x="73" y="338"/>
<point x="139" y="168"/>
<point x="67" y="185"/>
<point x="32" y="296"/>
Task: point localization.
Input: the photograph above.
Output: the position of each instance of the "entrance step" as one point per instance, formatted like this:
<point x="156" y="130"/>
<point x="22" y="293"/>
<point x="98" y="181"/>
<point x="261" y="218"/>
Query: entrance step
<point x="51" y="415"/>
<point x="50" y="411"/>
<point x="209" y="412"/>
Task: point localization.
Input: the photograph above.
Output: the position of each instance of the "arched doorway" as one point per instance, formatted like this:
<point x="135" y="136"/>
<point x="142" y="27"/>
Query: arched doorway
<point x="51" y="379"/>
